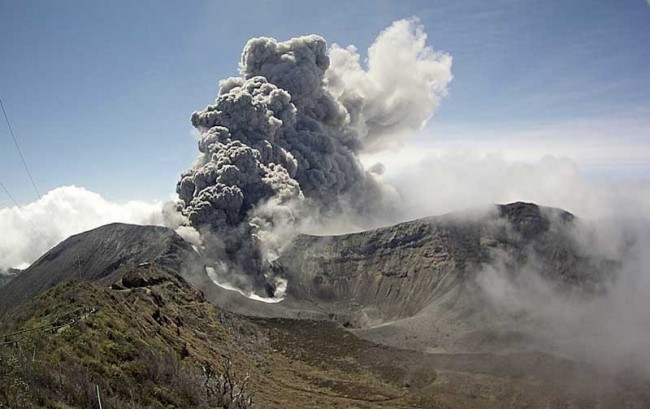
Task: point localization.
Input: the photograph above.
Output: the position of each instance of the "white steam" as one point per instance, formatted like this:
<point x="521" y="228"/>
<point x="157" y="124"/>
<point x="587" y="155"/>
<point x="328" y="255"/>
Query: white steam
<point x="398" y="91"/>
<point x="217" y="279"/>
<point x="610" y="329"/>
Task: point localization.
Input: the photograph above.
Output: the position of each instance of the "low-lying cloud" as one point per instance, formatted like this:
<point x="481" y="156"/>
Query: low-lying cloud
<point x="609" y="329"/>
<point x="31" y="230"/>
<point x="456" y="179"/>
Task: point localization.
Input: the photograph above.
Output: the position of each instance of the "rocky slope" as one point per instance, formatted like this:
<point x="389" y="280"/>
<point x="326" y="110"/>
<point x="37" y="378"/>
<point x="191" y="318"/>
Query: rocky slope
<point x="7" y="275"/>
<point x="398" y="270"/>
<point x="412" y="289"/>
<point x="104" y="252"/>
<point x="387" y="283"/>
<point x="415" y="284"/>
<point x="147" y="339"/>
<point x="96" y="254"/>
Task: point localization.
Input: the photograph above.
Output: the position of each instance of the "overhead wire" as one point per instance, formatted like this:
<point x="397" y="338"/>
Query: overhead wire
<point x="9" y="194"/>
<point x="20" y="153"/>
<point x="36" y="229"/>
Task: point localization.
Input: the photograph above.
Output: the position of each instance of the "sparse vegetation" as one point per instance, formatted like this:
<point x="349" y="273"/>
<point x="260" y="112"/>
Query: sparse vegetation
<point x="225" y="389"/>
<point x="157" y="344"/>
<point x="133" y="360"/>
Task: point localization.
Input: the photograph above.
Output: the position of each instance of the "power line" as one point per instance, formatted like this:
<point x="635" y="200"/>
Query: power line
<point x="36" y="229"/>
<point x="11" y="131"/>
<point x="9" y="194"/>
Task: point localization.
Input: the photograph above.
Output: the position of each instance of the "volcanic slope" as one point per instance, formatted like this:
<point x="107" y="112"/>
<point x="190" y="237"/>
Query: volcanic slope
<point x="150" y="339"/>
<point x="95" y="254"/>
<point x="411" y="285"/>
<point x="7" y="275"/>
<point x="135" y="310"/>
<point x="414" y="285"/>
<point x="104" y="252"/>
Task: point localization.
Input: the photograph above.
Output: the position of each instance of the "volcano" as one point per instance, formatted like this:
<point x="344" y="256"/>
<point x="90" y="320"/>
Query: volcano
<point x="410" y="293"/>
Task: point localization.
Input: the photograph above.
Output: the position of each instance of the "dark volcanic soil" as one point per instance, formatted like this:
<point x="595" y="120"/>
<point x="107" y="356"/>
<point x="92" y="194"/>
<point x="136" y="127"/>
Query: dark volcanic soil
<point x="150" y="321"/>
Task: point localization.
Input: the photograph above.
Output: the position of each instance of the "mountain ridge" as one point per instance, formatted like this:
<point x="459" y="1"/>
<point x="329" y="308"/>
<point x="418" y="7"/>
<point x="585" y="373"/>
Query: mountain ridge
<point x="401" y="304"/>
<point x="95" y="254"/>
<point x="454" y="243"/>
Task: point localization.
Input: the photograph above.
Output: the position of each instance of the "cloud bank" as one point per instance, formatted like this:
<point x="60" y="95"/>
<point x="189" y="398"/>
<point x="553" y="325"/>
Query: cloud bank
<point x="608" y="329"/>
<point x="31" y="230"/>
<point x="455" y="179"/>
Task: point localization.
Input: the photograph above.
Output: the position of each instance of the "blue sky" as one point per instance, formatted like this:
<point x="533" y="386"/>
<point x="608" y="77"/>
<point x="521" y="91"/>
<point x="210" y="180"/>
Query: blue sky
<point x="100" y="93"/>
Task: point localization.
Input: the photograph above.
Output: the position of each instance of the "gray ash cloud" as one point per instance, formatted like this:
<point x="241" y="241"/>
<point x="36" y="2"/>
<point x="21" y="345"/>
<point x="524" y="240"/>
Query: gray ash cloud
<point x="283" y="139"/>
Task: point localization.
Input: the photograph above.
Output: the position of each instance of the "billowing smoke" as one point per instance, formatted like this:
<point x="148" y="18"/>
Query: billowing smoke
<point x="282" y="141"/>
<point x="399" y="91"/>
<point x="608" y="328"/>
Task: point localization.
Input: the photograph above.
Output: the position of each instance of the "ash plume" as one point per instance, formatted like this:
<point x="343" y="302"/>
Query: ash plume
<point x="282" y="141"/>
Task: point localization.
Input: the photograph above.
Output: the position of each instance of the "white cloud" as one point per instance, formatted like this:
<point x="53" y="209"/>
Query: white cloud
<point x="31" y="230"/>
<point x="399" y="89"/>
<point x="594" y="168"/>
<point x="613" y="145"/>
<point x="447" y="181"/>
<point x="611" y="330"/>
